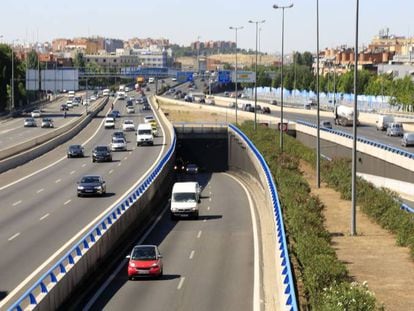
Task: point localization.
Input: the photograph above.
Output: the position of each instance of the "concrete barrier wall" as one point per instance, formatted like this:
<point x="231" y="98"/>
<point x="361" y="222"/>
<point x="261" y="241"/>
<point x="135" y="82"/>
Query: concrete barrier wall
<point x="56" y="285"/>
<point x="29" y="150"/>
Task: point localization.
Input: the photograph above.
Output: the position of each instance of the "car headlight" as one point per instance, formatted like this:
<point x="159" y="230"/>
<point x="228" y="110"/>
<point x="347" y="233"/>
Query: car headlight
<point x="98" y="187"/>
<point x="154" y="265"/>
<point x="81" y="187"/>
<point x="132" y="264"/>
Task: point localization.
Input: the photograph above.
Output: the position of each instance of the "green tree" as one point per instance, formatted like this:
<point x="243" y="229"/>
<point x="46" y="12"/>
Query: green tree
<point x="79" y="61"/>
<point x="32" y="60"/>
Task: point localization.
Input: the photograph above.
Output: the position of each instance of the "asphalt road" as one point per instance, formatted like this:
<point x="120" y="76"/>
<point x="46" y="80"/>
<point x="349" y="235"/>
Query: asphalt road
<point x="13" y="132"/>
<point x="42" y="213"/>
<point x="208" y="263"/>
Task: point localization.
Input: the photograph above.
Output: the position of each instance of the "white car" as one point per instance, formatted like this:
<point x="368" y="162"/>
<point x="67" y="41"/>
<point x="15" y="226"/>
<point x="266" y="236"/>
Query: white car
<point x="36" y="114"/>
<point x="118" y="144"/>
<point x="109" y="123"/>
<point x="93" y="98"/>
<point x="69" y="103"/>
<point x="128" y="125"/>
<point x="130" y="109"/>
<point x="148" y="119"/>
<point x="174" y="79"/>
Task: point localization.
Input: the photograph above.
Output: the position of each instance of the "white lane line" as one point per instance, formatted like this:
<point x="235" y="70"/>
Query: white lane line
<point x="84" y="164"/>
<point x="208" y="208"/>
<point x="13" y="293"/>
<point x="210" y="193"/>
<point x="191" y="254"/>
<point x="58" y="180"/>
<point x="111" y="171"/>
<point x="123" y="262"/>
<point x="73" y="172"/>
<point x="125" y="158"/>
<point x="119" y="164"/>
<point x="17" y="203"/>
<point x="204" y="220"/>
<point x="67" y="202"/>
<point x="199" y="234"/>
<point x="130" y="152"/>
<point x="209" y="199"/>
<point x="181" y="283"/>
<point x="256" y="277"/>
<point x="47" y="167"/>
<point x="40" y="190"/>
<point x="14" y="236"/>
<point x="44" y="216"/>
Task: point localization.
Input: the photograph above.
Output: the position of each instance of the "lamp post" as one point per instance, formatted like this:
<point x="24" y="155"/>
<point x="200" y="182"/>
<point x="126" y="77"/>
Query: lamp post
<point x="235" y="82"/>
<point x="275" y="6"/>
<point x="318" y="131"/>
<point x="12" y="79"/>
<point x="198" y="54"/>
<point x="255" y="80"/>
<point x="354" y="144"/>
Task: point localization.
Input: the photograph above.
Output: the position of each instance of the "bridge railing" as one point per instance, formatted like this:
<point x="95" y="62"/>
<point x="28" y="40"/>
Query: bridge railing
<point x="48" y="281"/>
<point x="282" y="249"/>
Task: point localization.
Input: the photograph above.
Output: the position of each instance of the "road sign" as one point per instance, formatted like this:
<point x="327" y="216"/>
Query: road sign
<point x="244" y="76"/>
<point x="224" y="76"/>
<point x="283" y="126"/>
<point x="184" y="76"/>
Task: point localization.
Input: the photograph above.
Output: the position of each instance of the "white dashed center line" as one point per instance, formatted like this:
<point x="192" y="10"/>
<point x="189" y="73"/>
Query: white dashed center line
<point x="73" y="172"/>
<point x="67" y="202"/>
<point x="119" y="164"/>
<point x="17" y="203"/>
<point x="130" y="152"/>
<point x="192" y="254"/>
<point x="58" y="181"/>
<point x="125" y="158"/>
<point x="44" y="216"/>
<point x="181" y="283"/>
<point x="199" y="234"/>
<point x="14" y="236"/>
<point x="84" y="164"/>
<point x="204" y="220"/>
<point x="111" y="171"/>
<point x="208" y="208"/>
<point x="40" y="190"/>
<point x="209" y="199"/>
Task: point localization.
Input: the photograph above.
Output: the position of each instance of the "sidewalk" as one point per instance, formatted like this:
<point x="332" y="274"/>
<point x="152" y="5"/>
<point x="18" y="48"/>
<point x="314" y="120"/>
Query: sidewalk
<point x="372" y="255"/>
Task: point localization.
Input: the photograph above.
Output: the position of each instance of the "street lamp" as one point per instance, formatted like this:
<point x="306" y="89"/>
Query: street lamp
<point x="318" y="128"/>
<point x="12" y="80"/>
<point x="235" y="82"/>
<point x="275" y="6"/>
<point x="198" y="54"/>
<point x="255" y="80"/>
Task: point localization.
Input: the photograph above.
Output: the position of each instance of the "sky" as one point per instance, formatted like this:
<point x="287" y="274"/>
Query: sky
<point x="182" y="21"/>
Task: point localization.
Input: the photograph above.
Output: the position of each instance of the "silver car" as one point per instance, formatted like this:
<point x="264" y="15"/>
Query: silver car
<point x="395" y="129"/>
<point x="407" y="140"/>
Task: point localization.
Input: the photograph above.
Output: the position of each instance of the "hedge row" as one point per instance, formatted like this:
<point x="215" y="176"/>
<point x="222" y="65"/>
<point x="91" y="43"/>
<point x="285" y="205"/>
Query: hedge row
<point x="325" y="278"/>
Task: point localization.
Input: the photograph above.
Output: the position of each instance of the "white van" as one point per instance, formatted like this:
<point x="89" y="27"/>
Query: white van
<point x="144" y="134"/>
<point x="407" y="140"/>
<point x="383" y="121"/>
<point x="184" y="199"/>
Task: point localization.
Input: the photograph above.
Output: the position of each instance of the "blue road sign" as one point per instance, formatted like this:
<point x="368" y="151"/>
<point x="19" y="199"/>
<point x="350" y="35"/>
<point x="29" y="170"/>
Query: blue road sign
<point x="224" y="76"/>
<point x="184" y="76"/>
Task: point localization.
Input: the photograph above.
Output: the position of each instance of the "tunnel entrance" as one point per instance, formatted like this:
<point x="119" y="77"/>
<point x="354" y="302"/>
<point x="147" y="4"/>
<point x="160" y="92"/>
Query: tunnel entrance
<point x="205" y="146"/>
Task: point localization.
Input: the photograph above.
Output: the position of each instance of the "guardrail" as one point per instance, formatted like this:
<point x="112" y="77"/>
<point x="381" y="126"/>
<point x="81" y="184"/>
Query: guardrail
<point x="287" y="277"/>
<point x="34" y="295"/>
<point x="363" y="140"/>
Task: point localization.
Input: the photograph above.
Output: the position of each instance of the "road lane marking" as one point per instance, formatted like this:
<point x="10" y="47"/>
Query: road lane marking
<point x="17" y="203"/>
<point x="40" y="190"/>
<point x="111" y="171"/>
<point x="204" y="220"/>
<point x="181" y="283"/>
<point x="199" y="234"/>
<point x="13" y="293"/>
<point x="256" y="276"/>
<point x="58" y="180"/>
<point x="208" y="208"/>
<point x="119" y="164"/>
<point x="125" y="158"/>
<point x="44" y="216"/>
<point x="84" y="164"/>
<point x="14" y="236"/>
<point x="130" y="152"/>
<point x="192" y="254"/>
<point x="209" y="199"/>
<point x="73" y="172"/>
<point x="67" y="202"/>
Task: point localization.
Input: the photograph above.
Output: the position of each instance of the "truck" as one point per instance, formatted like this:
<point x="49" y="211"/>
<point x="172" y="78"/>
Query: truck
<point x="344" y="115"/>
<point x="141" y="81"/>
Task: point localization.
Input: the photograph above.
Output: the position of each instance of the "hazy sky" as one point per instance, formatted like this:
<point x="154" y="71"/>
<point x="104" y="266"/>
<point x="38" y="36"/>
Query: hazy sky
<point x="182" y="21"/>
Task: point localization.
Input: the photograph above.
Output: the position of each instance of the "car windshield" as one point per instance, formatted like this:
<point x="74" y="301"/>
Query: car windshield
<point x="143" y="253"/>
<point x="184" y="197"/>
<point x="101" y="148"/>
<point x="192" y="166"/>
<point x="149" y="118"/>
<point x="144" y="132"/>
<point x="89" y="179"/>
<point x="118" y="141"/>
<point x="74" y="147"/>
<point x="128" y="122"/>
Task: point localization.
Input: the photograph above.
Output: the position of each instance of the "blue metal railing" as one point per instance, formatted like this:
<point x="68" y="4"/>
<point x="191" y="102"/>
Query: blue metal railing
<point x="82" y="246"/>
<point x="287" y="277"/>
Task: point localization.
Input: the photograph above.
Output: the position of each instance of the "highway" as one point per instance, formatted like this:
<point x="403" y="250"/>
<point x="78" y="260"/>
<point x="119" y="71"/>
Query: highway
<point x="12" y="131"/>
<point x="41" y="215"/>
<point x="208" y="263"/>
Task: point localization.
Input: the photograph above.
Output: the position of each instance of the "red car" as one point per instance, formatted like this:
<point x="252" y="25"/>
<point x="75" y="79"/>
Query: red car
<point x="145" y="261"/>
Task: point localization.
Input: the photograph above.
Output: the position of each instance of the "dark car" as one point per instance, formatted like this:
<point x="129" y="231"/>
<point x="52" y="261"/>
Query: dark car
<point x="101" y="154"/>
<point x="116" y="113"/>
<point x="91" y="185"/>
<point x="75" y="151"/>
<point x="129" y="103"/>
<point x="179" y="166"/>
<point x="64" y="107"/>
<point x="146" y="106"/>
<point x="191" y="169"/>
<point x="266" y="110"/>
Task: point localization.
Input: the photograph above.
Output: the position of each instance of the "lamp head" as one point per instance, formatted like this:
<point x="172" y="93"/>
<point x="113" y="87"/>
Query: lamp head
<point x="251" y="22"/>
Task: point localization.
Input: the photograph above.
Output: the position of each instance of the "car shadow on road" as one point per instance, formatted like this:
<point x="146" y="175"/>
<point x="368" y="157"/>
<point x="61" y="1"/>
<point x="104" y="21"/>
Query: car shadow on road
<point x="3" y="294"/>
